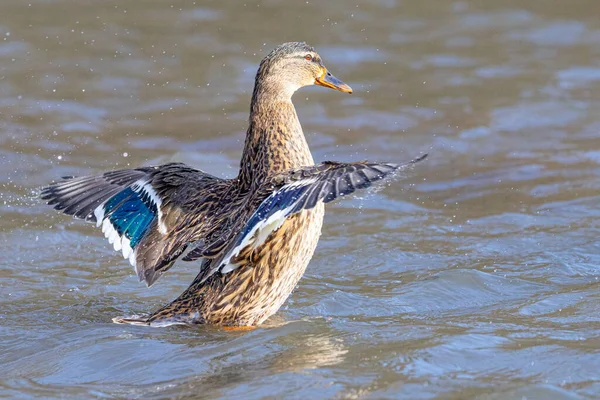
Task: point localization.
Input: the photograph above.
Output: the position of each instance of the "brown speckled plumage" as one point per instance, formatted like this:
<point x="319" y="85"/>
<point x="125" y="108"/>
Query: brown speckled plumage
<point x="255" y="234"/>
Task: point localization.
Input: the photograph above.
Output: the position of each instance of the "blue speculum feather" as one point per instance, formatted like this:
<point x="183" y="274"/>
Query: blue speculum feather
<point x="131" y="213"/>
<point x="116" y="200"/>
<point x="279" y="201"/>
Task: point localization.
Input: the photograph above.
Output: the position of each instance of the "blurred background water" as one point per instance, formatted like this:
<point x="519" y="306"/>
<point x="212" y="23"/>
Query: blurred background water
<point x="476" y="277"/>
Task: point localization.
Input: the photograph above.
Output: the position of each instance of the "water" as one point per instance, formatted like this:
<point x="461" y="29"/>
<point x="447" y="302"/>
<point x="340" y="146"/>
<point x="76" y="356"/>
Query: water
<point x="475" y="277"/>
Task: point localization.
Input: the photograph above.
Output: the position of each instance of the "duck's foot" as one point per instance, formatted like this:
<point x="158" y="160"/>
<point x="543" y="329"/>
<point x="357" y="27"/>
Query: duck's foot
<point x="239" y="328"/>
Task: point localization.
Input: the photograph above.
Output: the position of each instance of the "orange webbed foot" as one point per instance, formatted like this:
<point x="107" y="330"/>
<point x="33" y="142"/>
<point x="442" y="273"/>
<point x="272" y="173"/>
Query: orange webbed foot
<point x="238" y="328"/>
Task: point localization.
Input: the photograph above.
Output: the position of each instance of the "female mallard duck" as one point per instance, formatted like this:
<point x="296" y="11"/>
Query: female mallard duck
<point x="255" y="233"/>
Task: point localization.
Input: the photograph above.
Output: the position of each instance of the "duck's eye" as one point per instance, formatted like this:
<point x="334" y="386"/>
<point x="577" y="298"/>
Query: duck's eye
<point x="308" y="57"/>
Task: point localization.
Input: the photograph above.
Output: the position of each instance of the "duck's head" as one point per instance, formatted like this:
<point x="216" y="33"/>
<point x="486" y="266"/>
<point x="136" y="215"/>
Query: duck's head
<point x="293" y="65"/>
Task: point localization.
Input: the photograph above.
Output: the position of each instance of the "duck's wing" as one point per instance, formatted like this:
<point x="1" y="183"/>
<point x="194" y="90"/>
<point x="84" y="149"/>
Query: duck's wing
<point x="149" y="214"/>
<point x="293" y="192"/>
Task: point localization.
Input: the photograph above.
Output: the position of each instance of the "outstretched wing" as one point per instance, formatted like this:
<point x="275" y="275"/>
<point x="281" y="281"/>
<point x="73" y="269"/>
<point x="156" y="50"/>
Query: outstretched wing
<point x="79" y="197"/>
<point x="297" y="190"/>
<point x="139" y="210"/>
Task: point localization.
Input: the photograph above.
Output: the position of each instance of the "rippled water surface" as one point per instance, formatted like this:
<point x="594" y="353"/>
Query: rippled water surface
<point x="475" y="277"/>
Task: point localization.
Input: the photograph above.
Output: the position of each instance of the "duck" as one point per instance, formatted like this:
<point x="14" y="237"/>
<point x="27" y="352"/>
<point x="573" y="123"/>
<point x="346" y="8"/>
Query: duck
<point x="252" y="236"/>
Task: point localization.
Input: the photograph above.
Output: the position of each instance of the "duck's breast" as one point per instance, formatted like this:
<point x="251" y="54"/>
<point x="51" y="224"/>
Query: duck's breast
<point x="254" y="292"/>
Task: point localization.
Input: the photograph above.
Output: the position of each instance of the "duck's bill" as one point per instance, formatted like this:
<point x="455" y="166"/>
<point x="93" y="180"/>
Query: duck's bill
<point x="329" y="81"/>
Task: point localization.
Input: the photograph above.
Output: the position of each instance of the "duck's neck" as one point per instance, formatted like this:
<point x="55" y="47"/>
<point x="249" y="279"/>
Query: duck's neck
<point x="274" y="141"/>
